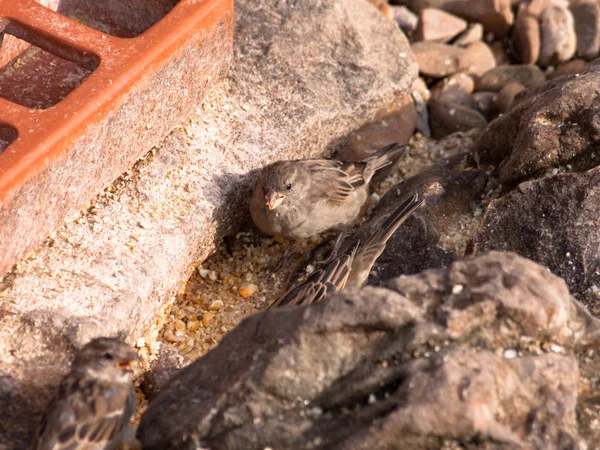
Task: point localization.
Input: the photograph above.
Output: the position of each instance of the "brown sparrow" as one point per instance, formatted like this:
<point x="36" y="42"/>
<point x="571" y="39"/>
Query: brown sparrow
<point x="302" y="198"/>
<point x="350" y="270"/>
<point x="94" y="401"/>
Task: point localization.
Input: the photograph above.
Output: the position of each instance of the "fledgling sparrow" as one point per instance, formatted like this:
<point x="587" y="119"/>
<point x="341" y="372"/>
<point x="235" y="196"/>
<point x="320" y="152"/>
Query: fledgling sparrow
<point x="302" y="198"/>
<point x="94" y="402"/>
<point x="349" y="270"/>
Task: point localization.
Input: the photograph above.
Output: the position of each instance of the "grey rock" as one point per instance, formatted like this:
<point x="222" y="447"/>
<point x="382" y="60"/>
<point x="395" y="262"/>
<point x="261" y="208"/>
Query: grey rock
<point x="168" y="361"/>
<point x="447" y="118"/>
<point x="586" y="14"/>
<point x="116" y="267"/>
<point x="406" y="366"/>
<point x="498" y="77"/>
<point x="553" y="221"/>
<point x="549" y="125"/>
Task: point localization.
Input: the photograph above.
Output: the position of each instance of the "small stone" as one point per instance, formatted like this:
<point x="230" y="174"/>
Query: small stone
<point x="485" y="102"/>
<point x="215" y="305"/>
<point x="586" y="14"/>
<point x="457" y="289"/>
<point x="494" y="80"/>
<point x="448" y="118"/>
<point x="569" y="68"/>
<point x="500" y="54"/>
<point x="437" y="60"/>
<point x="496" y="16"/>
<point x="558" y="39"/>
<point x="395" y="124"/>
<point x="526" y="35"/>
<point x="472" y="34"/>
<point x="203" y="272"/>
<point x="456" y="88"/>
<point x="507" y="95"/>
<point x="420" y="87"/>
<point x="248" y="290"/>
<point x="212" y="275"/>
<point x="482" y="56"/>
<point x="510" y="353"/>
<point x="438" y="26"/>
<point x="405" y="18"/>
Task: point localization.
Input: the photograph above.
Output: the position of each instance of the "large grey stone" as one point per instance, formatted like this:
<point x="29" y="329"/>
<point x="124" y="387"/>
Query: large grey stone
<point x="305" y="74"/>
<point x="548" y="125"/>
<point x="554" y="221"/>
<point x="450" y="354"/>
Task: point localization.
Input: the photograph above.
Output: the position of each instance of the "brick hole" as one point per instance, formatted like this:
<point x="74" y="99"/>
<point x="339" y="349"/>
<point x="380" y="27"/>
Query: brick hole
<point x="7" y="135"/>
<point x="34" y="77"/>
<point x="120" y="18"/>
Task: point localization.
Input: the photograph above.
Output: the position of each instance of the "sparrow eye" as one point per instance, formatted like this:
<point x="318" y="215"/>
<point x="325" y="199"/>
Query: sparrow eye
<point x="288" y="186"/>
<point x="108" y="356"/>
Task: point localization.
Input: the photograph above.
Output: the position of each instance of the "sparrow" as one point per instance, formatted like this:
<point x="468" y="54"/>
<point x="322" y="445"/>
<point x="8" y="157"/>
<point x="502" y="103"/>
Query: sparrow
<point x="94" y="401"/>
<point x="303" y="198"/>
<point x="351" y="269"/>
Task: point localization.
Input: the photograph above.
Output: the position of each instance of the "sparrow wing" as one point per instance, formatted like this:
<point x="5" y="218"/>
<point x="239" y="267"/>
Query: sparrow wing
<point x="375" y="245"/>
<point x="335" y="180"/>
<point x="86" y="414"/>
<point x="319" y="283"/>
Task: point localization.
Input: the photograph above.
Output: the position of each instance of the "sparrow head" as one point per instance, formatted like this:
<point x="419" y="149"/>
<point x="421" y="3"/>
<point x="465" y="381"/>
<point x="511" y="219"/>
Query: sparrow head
<point x="107" y="358"/>
<point x="283" y="180"/>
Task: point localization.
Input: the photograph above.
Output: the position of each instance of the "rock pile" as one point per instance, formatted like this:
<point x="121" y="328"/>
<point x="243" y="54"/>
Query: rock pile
<point x="480" y="353"/>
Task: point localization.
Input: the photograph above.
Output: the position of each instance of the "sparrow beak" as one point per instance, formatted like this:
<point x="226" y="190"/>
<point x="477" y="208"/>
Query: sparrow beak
<point x="274" y="199"/>
<point x="128" y="364"/>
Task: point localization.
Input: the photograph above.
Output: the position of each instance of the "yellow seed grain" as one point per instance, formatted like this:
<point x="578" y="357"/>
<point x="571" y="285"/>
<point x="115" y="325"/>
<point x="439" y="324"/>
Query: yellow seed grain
<point x="247" y="290"/>
<point x="215" y="305"/>
<point x="208" y="317"/>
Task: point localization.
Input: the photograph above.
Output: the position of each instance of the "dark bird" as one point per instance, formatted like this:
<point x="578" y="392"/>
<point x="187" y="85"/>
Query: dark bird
<point x="94" y="401"/>
<point x="302" y="198"/>
<point x="349" y="270"/>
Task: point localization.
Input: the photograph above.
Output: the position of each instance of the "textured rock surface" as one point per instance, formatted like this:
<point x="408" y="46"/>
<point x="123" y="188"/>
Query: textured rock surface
<point x="437" y="357"/>
<point x="554" y="221"/>
<point x="118" y="265"/>
<point x="551" y="125"/>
